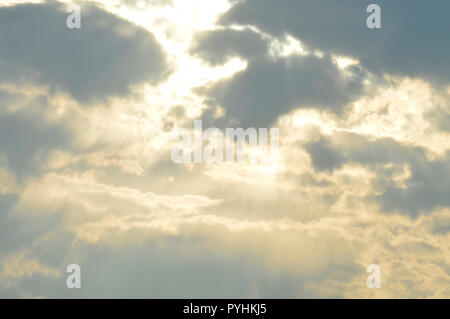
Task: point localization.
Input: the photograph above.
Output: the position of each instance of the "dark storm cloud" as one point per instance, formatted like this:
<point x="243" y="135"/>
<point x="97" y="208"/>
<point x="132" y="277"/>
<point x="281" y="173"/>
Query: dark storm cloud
<point x="103" y="58"/>
<point x="426" y="189"/>
<point x="413" y="41"/>
<point x="269" y="88"/>
<point x="218" y="46"/>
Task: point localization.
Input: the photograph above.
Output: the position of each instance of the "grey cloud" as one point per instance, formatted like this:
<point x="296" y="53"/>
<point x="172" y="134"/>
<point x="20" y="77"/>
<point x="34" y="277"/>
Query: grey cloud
<point x="426" y="189"/>
<point x="19" y="229"/>
<point x="324" y="157"/>
<point x="25" y="140"/>
<point x="167" y="274"/>
<point x="103" y="58"/>
<point x="413" y="40"/>
<point x="7" y="233"/>
<point x="129" y="273"/>
<point x="440" y="117"/>
<point x="269" y="88"/>
<point x="219" y="45"/>
<point x="441" y="228"/>
<point x="180" y="267"/>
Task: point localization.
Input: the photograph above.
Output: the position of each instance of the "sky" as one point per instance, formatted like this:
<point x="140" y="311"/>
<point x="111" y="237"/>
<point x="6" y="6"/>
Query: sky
<point x="361" y="176"/>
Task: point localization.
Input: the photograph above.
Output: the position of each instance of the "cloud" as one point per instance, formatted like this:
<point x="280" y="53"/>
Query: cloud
<point x="443" y="229"/>
<point x="269" y="88"/>
<point x="104" y="58"/>
<point x="218" y="46"/>
<point x="180" y="235"/>
<point x="424" y="189"/>
<point x="412" y="41"/>
<point x="96" y="187"/>
<point x="440" y="117"/>
<point x="26" y="140"/>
